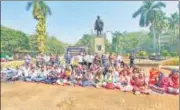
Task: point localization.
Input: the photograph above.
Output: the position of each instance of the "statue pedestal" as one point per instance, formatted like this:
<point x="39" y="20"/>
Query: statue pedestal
<point x="99" y="44"/>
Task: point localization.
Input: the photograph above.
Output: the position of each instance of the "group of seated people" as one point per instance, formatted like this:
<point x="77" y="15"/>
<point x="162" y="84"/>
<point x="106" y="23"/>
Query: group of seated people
<point x="110" y="76"/>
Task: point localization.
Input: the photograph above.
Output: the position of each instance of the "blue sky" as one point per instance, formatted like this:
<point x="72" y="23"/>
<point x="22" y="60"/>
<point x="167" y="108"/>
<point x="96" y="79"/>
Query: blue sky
<point x="70" y="20"/>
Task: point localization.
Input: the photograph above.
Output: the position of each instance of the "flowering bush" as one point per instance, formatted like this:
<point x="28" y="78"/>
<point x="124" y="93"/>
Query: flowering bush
<point x="171" y="62"/>
<point x="13" y="64"/>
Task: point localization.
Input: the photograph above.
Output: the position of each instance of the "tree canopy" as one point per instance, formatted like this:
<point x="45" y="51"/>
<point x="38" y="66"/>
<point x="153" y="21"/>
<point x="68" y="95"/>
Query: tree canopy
<point x="15" y="40"/>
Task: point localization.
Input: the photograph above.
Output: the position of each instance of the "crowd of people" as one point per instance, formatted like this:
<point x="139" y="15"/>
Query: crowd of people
<point x="87" y="70"/>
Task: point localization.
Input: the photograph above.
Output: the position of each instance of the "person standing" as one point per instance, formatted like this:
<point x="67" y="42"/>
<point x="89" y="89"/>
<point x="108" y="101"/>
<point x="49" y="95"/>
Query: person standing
<point x="104" y="60"/>
<point x="68" y="57"/>
<point x="38" y="61"/>
<point x="57" y="61"/>
<point x="47" y="59"/>
<point x="80" y="59"/>
<point x="132" y="58"/>
<point x="52" y="59"/>
<point x="119" y="58"/>
<point x="111" y="59"/>
<point x="27" y="59"/>
<point x="42" y="61"/>
<point x="86" y="59"/>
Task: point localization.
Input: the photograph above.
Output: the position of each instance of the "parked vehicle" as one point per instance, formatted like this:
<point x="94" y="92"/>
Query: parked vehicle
<point x="142" y="57"/>
<point x="8" y="58"/>
<point x="3" y="59"/>
<point x="75" y="50"/>
<point x="157" y="57"/>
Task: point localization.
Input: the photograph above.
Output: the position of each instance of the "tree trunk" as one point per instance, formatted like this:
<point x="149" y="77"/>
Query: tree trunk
<point x="41" y="33"/>
<point x="159" y="45"/>
<point x="154" y="39"/>
<point x="174" y="39"/>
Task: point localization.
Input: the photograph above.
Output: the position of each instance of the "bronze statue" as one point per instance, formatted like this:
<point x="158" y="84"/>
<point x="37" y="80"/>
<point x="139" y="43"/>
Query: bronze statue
<point x="98" y="27"/>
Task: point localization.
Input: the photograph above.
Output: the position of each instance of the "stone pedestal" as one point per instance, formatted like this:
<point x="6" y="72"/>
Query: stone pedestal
<point x="99" y="44"/>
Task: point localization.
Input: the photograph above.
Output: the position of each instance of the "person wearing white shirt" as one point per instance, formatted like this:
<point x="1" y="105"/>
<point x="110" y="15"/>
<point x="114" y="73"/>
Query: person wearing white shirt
<point x="91" y="58"/>
<point x="46" y="72"/>
<point x="26" y="71"/>
<point x="80" y="59"/>
<point x="86" y="59"/>
<point x="19" y="75"/>
<point x="47" y="59"/>
<point x="119" y="58"/>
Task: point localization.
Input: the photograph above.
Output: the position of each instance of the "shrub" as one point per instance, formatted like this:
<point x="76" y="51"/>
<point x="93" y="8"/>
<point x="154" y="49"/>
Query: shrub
<point x="165" y="53"/>
<point x="13" y="64"/>
<point x="173" y="54"/>
<point x="142" y="53"/>
<point x="171" y="62"/>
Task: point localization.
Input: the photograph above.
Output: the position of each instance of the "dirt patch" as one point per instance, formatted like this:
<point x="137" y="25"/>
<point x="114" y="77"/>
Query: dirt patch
<point x="31" y="96"/>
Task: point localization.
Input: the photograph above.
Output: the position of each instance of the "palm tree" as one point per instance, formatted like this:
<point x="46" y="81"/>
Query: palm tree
<point x="160" y="26"/>
<point x="39" y="7"/>
<point x="40" y="12"/>
<point x="173" y="23"/>
<point x="148" y="12"/>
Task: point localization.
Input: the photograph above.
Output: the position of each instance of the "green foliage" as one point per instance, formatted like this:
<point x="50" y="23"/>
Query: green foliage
<point x="41" y="31"/>
<point x="55" y="46"/>
<point x="165" y="53"/>
<point x="88" y="40"/>
<point x="151" y="14"/>
<point x="142" y="53"/>
<point x="40" y="12"/>
<point x="127" y="43"/>
<point x="33" y="42"/>
<point x="173" y="54"/>
<point x="39" y="8"/>
<point x="148" y="11"/>
<point x="108" y="46"/>
<point x="13" y="40"/>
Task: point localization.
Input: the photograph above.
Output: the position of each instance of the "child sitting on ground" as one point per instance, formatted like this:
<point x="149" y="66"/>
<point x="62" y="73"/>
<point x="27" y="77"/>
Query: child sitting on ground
<point x="65" y="76"/>
<point x="160" y="84"/>
<point x="87" y="81"/>
<point x="173" y="87"/>
<point x="139" y="84"/>
<point x="125" y="84"/>
<point x="109" y="79"/>
<point x="98" y="78"/>
<point x="78" y="73"/>
<point x="153" y="78"/>
<point x="116" y="80"/>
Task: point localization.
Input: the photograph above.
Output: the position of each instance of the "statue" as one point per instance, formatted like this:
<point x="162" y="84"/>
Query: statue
<point x="98" y="27"/>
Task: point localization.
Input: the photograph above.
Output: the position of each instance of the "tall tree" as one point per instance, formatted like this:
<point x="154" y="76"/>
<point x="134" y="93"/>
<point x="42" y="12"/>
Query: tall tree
<point x="40" y="12"/>
<point x="148" y="12"/>
<point x="159" y="27"/>
<point x="173" y="23"/>
<point x="115" y="41"/>
<point x="173" y="27"/>
<point x="13" y="40"/>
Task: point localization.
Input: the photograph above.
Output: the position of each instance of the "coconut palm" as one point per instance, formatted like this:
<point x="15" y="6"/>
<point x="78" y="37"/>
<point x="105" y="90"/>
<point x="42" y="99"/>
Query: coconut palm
<point x="148" y="12"/>
<point x="160" y="26"/>
<point x="39" y="7"/>
<point x="40" y="12"/>
<point x="173" y="23"/>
